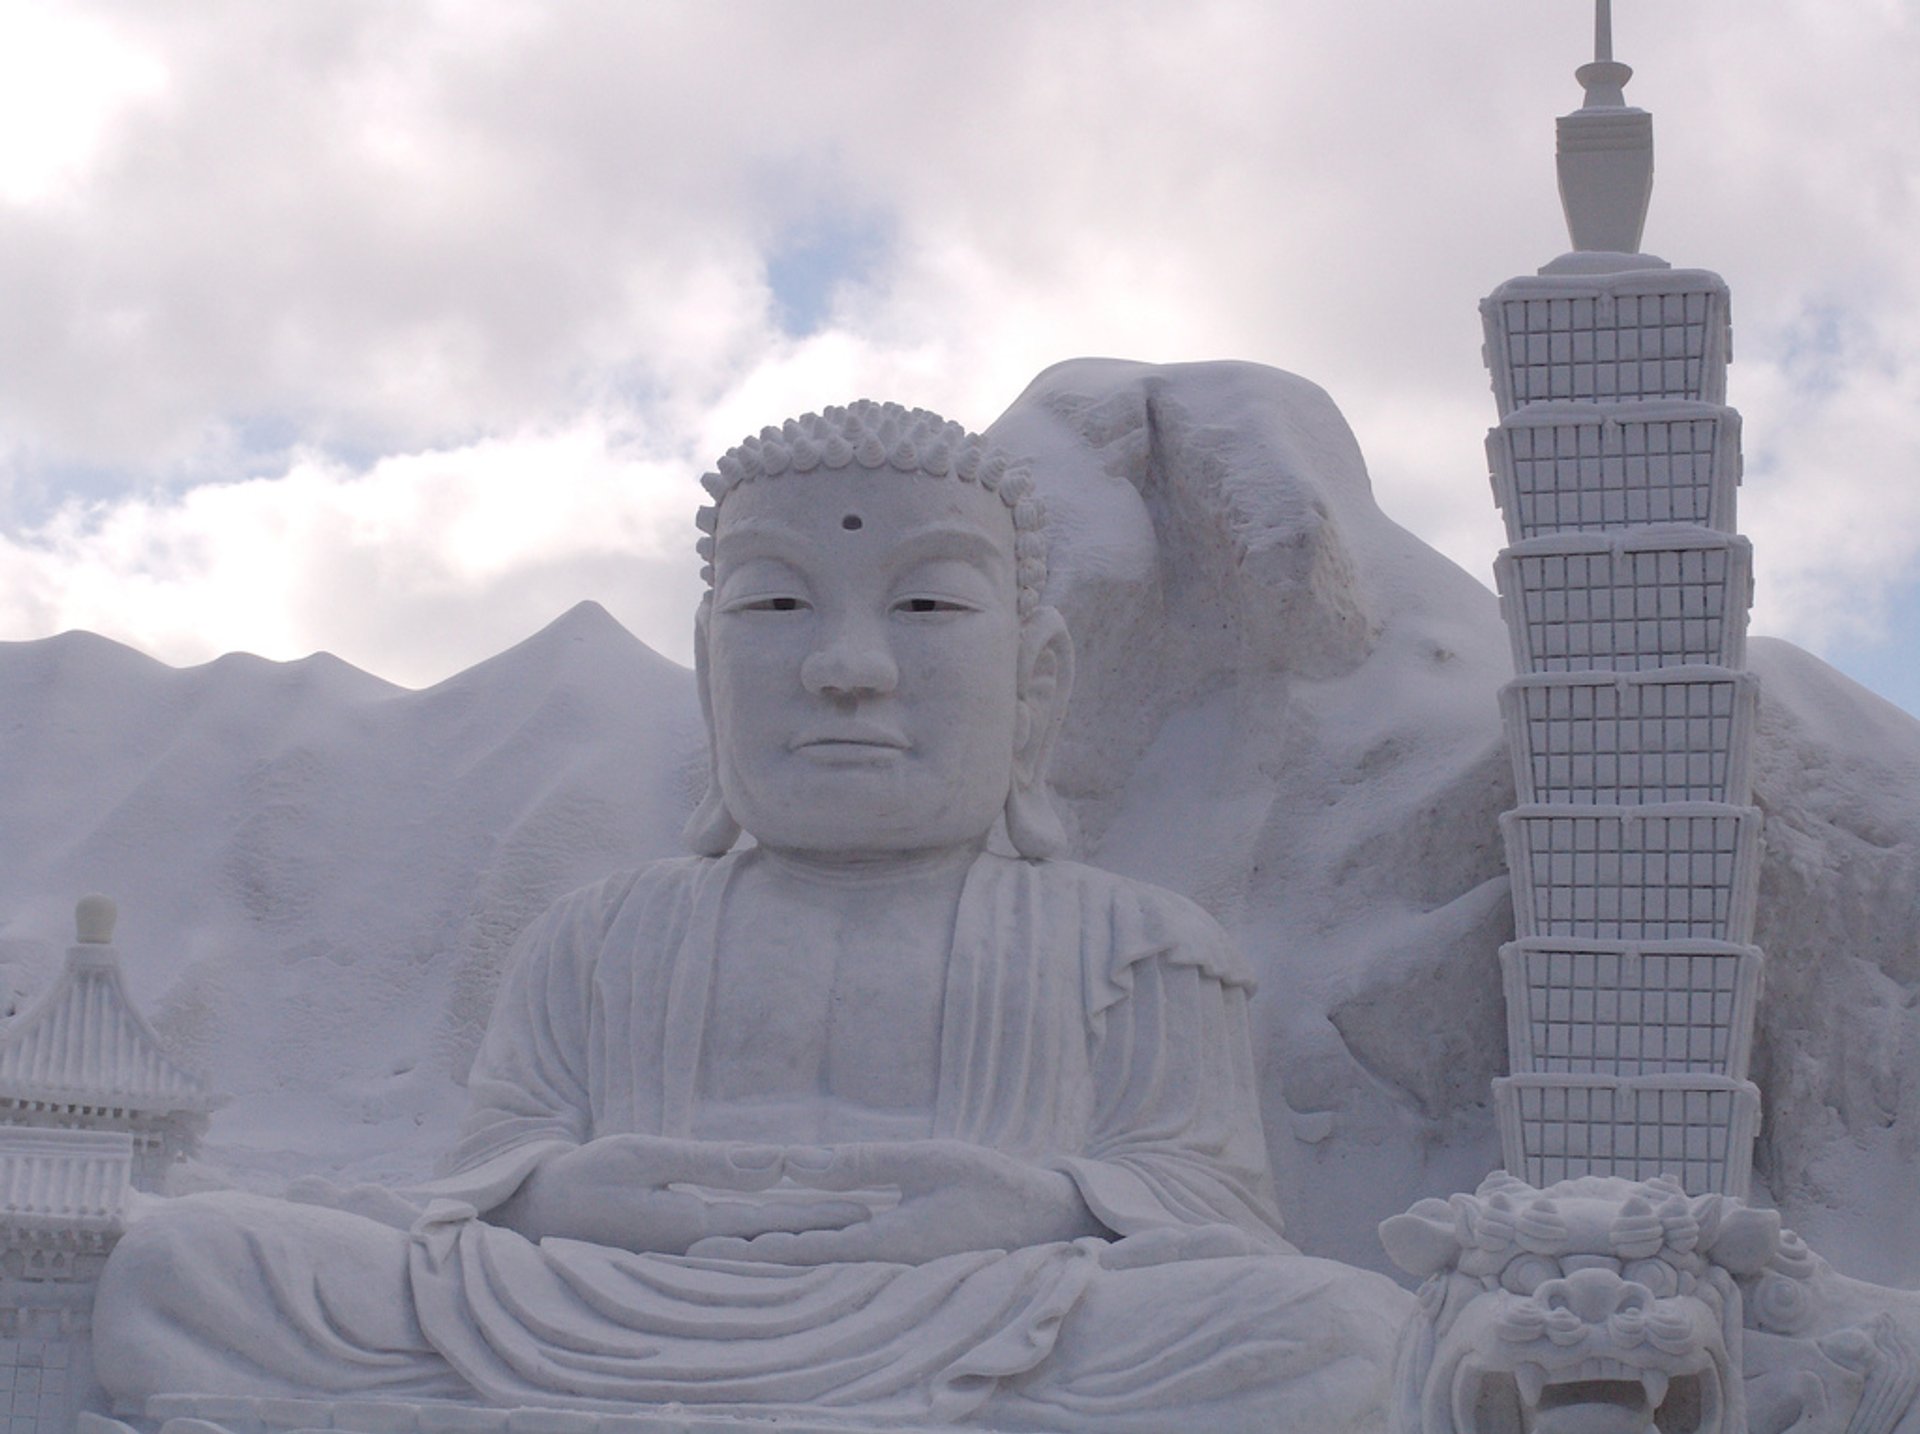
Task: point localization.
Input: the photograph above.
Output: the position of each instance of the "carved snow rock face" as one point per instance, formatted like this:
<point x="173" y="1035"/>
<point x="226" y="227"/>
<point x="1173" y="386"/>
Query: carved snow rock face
<point x="1595" y="1306"/>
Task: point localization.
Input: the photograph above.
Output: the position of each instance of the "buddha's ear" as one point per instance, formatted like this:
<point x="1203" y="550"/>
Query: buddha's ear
<point x="711" y="830"/>
<point x="1045" y="683"/>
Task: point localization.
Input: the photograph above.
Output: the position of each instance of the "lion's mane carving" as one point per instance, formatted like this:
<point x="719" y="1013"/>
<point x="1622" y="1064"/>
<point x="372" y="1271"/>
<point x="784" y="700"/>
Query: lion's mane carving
<point x="1595" y="1305"/>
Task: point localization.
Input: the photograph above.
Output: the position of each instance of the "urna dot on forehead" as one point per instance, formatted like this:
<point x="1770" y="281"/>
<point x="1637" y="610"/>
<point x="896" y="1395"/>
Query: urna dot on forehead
<point x="912" y="442"/>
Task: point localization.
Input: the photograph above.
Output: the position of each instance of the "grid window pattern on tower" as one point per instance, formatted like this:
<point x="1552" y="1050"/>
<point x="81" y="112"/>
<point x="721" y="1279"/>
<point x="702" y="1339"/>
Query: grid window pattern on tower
<point x="1626" y="742"/>
<point x="1598" y="475"/>
<point x="1628" y="609"/>
<point x="1631" y="1012"/>
<point x="1601" y="347"/>
<point x="1635" y="873"/>
<point x="1634" y="1131"/>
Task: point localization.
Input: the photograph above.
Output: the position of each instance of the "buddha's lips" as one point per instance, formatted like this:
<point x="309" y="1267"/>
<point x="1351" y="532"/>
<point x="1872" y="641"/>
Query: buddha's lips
<point x="852" y="739"/>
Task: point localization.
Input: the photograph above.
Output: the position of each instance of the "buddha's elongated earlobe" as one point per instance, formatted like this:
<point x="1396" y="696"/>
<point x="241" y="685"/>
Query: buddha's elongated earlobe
<point x="711" y="830"/>
<point x="1046" y="681"/>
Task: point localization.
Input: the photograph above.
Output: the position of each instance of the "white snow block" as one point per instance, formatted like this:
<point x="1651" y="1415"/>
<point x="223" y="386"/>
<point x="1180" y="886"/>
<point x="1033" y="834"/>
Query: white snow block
<point x="217" y="1414"/>
<point x="1583" y="1007"/>
<point x="1666" y="871"/>
<point x="1572" y="468"/>
<point x="1657" y="597"/>
<point x="1673" y="734"/>
<point x="1597" y="338"/>
<point x="1698" y="1129"/>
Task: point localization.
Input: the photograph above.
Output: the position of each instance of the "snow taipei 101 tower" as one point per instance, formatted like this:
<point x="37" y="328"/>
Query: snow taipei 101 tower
<point x="1635" y="849"/>
<point x="1612" y="1277"/>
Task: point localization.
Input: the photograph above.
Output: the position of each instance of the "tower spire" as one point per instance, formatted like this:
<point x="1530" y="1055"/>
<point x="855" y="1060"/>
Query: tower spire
<point x="1605" y="80"/>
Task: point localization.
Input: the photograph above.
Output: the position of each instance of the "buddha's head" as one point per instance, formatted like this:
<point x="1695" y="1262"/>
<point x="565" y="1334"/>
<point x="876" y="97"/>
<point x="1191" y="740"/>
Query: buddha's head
<point x="877" y="670"/>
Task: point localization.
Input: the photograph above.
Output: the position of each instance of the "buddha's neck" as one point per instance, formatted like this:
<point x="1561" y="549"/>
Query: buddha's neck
<point x="932" y="867"/>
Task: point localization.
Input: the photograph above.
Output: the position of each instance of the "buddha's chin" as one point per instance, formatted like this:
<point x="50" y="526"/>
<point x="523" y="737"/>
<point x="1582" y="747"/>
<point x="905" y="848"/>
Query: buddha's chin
<point x="864" y="808"/>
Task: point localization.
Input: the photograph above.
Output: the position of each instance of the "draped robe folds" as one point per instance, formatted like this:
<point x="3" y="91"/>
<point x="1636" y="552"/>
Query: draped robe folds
<point x="1090" y="1025"/>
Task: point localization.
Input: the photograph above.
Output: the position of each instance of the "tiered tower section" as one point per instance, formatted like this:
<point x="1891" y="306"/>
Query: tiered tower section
<point x="1635" y="849"/>
<point x="92" y="1107"/>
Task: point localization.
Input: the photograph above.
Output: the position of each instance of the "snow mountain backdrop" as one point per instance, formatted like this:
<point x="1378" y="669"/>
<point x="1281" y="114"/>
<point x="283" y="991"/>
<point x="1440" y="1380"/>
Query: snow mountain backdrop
<point x="1285" y="709"/>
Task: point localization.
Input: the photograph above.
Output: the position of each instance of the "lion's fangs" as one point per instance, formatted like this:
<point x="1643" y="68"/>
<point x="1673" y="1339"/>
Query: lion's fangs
<point x="1583" y="1384"/>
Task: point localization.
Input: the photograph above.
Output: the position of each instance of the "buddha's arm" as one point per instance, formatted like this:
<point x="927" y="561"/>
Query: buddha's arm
<point x="1177" y="1139"/>
<point x="527" y="1089"/>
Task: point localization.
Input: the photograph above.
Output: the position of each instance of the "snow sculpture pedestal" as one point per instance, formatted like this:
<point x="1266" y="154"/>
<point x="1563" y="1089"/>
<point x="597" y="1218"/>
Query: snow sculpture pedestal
<point x="187" y="1415"/>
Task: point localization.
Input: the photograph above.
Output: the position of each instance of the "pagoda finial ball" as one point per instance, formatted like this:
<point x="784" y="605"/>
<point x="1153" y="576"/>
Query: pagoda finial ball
<point x="93" y="920"/>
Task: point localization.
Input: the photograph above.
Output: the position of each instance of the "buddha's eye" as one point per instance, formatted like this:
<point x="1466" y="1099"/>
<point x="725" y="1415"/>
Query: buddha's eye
<point x="925" y="606"/>
<point x="771" y="604"/>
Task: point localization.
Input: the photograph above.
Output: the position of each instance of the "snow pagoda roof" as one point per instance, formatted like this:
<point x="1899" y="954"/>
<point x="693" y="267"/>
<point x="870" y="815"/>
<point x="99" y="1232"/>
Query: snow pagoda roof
<point x="83" y="1043"/>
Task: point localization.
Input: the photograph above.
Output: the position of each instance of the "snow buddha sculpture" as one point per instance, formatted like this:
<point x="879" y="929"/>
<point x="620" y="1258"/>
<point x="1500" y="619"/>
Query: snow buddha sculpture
<point x="888" y="1111"/>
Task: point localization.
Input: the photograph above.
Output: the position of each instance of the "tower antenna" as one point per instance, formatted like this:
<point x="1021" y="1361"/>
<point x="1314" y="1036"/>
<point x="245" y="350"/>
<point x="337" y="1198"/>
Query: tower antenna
<point x="1603" y="30"/>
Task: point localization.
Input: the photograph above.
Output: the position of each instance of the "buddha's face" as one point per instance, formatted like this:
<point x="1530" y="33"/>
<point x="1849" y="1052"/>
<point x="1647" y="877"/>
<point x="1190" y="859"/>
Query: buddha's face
<point x="864" y="660"/>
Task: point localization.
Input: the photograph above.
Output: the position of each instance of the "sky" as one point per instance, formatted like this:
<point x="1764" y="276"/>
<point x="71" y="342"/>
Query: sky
<point x="394" y="330"/>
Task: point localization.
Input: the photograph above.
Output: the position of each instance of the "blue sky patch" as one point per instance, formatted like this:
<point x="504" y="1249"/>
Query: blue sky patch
<point x="811" y="262"/>
<point x="1818" y="345"/>
<point x="1889" y="662"/>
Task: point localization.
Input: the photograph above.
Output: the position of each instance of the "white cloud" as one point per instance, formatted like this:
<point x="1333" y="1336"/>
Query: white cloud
<point x="374" y="232"/>
<point x="419" y="566"/>
<point x="65" y="79"/>
<point x="1830" y="498"/>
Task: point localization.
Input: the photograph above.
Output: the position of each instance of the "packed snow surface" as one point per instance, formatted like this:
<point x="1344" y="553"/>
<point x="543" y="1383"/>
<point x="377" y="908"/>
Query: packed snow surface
<point x="1286" y="709"/>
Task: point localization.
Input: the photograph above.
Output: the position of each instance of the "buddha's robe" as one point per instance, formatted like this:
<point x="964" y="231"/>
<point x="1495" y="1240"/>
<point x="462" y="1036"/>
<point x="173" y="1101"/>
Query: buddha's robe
<point x="1090" y="1025"/>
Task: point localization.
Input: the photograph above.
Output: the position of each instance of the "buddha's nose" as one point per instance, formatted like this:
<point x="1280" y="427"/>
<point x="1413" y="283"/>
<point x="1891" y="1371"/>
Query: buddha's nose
<point x="853" y="661"/>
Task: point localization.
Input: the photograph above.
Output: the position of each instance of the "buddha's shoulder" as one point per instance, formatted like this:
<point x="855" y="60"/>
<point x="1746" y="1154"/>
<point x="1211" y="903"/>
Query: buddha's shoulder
<point x="1123" y="922"/>
<point x="1124" y="899"/>
<point x="670" y="882"/>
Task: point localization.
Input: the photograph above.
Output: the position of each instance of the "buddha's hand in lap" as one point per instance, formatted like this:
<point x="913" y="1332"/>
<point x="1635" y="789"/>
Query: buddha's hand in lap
<point x="954" y="1197"/>
<point x="617" y="1191"/>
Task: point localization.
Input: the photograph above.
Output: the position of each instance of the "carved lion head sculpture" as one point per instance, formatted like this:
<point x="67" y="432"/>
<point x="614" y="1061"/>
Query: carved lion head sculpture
<point x="1593" y="1306"/>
